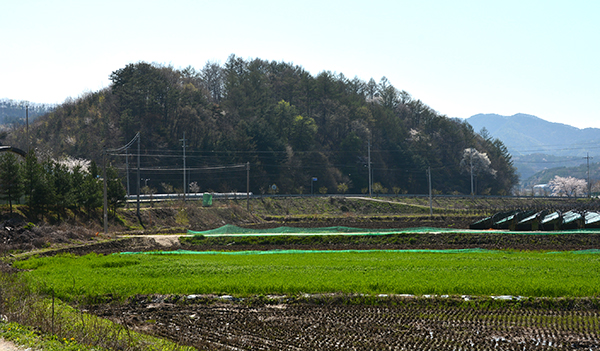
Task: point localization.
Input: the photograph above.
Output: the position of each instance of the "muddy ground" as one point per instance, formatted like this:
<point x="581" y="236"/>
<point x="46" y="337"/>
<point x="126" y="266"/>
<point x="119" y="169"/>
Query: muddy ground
<point x="380" y="221"/>
<point x="439" y="241"/>
<point x="382" y="323"/>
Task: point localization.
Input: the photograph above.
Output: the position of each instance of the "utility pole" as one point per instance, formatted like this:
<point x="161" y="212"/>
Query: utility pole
<point x="430" y="207"/>
<point x="369" y="161"/>
<point x="248" y="186"/>
<point x="471" y="160"/>
<point x="105" y="152"/>
<point x="588" y="170"/>
<point x="184" y="183"/>
<point x="27" y="123"/>
<point x="127" y="171"/>
<point x="139" y="136"/>
<point x="105" y="214"/>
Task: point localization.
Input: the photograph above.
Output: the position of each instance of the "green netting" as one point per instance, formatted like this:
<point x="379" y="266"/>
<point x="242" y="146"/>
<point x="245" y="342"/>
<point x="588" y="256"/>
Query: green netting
<point x="590" y="251"/>
<point x="232" y="230"/>
<point x="272" y="252"/>
<point x="337" y="230"/>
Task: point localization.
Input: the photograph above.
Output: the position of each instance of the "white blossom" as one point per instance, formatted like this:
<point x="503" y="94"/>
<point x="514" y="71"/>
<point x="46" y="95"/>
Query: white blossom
<point x="194" y="187"/>
<point x="567" y="186"/>
<point x="71" y="163"/>
<point x="478" y="160"/>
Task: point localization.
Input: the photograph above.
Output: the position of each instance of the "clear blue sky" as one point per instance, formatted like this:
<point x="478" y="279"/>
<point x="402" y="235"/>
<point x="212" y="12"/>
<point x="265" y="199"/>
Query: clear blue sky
<point x="459" y="57"/>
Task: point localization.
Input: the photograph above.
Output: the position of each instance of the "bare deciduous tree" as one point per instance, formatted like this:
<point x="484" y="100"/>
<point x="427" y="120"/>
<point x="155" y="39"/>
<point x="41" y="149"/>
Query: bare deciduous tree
<point x="212" y="78"/>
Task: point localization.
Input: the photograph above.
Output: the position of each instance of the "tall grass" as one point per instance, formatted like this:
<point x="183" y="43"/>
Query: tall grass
<point x="60" y="326"/>
<point x="480" y="273"/>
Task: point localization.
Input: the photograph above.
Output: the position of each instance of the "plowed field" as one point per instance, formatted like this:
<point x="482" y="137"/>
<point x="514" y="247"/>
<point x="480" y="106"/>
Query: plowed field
<point x="385" y="323"/>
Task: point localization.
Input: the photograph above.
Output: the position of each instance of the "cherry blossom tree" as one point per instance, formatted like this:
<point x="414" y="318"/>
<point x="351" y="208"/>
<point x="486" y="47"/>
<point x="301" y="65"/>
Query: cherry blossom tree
<point x="72" y="163"/>
<point x="194" y="187"/>
<point x="567" y="186"/>
<point x="475" y="162"/>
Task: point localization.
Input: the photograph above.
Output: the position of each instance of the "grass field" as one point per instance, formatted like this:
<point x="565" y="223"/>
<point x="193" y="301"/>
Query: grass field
<point x="469" y="273"/>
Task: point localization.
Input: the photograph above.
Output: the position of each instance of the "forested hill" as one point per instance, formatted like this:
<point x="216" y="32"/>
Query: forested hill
<point x="290" y="125"/>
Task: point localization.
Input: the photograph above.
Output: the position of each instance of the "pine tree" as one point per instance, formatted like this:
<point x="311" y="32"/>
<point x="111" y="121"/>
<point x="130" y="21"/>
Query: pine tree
<point x="115" y="191"/>
<point x="11" y="182"/>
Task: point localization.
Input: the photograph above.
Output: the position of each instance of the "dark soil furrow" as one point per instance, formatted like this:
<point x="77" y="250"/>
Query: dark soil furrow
<point x="417" y="323"/>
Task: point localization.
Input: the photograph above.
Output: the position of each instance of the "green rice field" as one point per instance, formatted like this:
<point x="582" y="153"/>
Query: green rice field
<point x="531" y="274"/>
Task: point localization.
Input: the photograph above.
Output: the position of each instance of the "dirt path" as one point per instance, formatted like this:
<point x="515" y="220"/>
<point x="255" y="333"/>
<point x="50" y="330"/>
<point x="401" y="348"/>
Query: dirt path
<point x="386" y="201"/>
<point x="8" y="346"/>
<point x="164" y="240"/>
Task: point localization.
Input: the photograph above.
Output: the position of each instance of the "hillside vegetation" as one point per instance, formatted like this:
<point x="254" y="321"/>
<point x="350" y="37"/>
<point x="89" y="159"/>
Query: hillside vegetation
<point x="529" y="166"/>
<point x="580" y="172"/>
<point x="289" y="125"/>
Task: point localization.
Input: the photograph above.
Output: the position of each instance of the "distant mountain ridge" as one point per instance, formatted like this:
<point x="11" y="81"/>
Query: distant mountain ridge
<point x="525" y="134"/>
<point x="537" y="144"/>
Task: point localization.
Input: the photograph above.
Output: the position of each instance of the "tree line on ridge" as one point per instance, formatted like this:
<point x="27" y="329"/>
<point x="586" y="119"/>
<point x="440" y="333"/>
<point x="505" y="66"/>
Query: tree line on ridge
<point x="290" y="125"/>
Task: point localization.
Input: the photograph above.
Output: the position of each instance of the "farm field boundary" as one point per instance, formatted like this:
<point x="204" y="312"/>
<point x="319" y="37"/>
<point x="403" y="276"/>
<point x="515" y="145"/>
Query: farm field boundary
<point x="232" y="230"/>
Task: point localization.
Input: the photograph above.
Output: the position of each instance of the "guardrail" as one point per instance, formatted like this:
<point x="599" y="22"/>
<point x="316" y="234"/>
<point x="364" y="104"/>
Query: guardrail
<point x="188" y="196"/>
<point x="241" y="196"/>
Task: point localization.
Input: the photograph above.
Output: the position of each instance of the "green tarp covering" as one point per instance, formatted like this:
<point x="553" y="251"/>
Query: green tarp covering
<point x="232" y="230"/>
